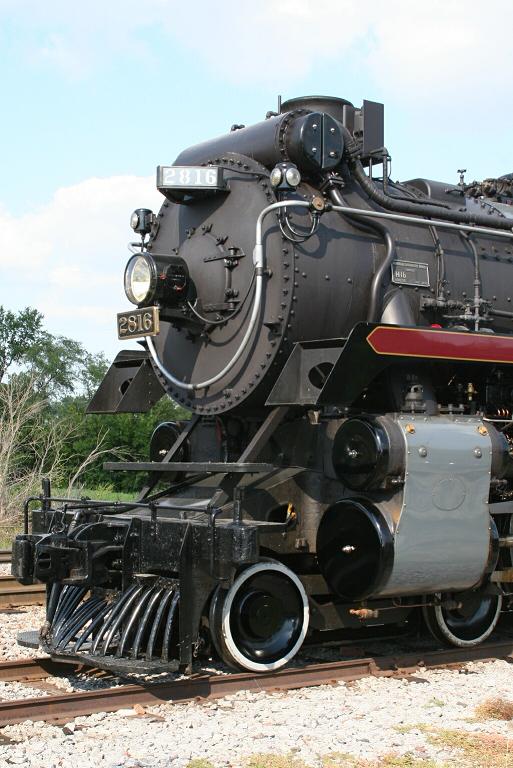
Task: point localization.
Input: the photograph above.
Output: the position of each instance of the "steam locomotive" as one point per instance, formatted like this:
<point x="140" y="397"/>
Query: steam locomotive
<point x="344" y="345"/>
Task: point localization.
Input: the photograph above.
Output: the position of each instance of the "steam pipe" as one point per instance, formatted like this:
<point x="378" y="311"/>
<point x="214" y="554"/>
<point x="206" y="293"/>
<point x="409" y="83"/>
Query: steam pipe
<point x="423" y="222"/>
<point x="477" y="282"/>
<point x="403" y="206"/>
<point x="375" y="294"/>
<point x="259" y="263"/>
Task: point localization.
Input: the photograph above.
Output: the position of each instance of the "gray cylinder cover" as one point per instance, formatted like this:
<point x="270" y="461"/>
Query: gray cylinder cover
<point x="442" y="533"/>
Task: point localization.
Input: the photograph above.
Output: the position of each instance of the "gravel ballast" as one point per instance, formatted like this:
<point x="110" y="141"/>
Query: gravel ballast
<point x="14" y="621"/>
<point x="367" y="719"/>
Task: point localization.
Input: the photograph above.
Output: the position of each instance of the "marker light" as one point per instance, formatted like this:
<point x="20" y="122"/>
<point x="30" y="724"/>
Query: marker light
<point x="292" y="176"/>
<point x="285" y="177"/>
<point x="142" y="220"/>
<point x="276" y="176"/>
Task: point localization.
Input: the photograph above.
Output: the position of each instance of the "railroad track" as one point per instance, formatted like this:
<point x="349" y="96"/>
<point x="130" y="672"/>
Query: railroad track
<point x="13" y="594"/>
<point x="64" y="707"/>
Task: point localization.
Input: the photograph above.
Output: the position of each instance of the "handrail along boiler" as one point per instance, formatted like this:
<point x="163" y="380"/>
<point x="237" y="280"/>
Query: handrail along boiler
<point x="344" y="344"/>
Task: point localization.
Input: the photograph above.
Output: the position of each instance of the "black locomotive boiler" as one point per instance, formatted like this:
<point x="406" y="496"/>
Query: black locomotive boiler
<point x="344" y="344"/>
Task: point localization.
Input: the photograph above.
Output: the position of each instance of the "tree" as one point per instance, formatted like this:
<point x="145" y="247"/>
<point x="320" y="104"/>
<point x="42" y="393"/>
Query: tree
<point x="124" y="436"/>
<point x="30" y="444"/>
<point x="94" y="369"/>
<point x="19" y="332"/>
<point x="56" y="365"/>
<point x="44" y="428"/>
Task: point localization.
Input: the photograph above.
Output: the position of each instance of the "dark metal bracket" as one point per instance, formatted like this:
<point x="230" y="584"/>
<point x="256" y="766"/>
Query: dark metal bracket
<point x="129" y="386"/>
<point x="173" y="451"/>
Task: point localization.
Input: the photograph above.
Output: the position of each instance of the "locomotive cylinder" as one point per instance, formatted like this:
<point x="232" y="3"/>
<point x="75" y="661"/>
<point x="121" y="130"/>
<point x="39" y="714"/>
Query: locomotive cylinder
<point x="405" y="542"/>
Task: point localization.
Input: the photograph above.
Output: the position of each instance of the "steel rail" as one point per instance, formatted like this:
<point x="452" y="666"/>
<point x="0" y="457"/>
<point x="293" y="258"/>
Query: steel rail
<point x="5" y="555"/>
<point x="14" y="593"/>
<point x="22" y="670"/>
<point x="67" y="706"/>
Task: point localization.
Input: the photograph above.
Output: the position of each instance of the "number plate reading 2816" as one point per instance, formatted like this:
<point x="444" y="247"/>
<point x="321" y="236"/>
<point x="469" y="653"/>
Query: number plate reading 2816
<point x="190" y="177"/>
<point x="138" y="322"/>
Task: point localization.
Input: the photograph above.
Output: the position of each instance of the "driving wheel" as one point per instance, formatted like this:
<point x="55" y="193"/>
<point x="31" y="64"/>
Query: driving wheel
<point x="470" y="622"/>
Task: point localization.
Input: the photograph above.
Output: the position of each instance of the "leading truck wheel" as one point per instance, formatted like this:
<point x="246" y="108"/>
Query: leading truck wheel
<point x="470" y="622"/>
<point x="259" y="624"/>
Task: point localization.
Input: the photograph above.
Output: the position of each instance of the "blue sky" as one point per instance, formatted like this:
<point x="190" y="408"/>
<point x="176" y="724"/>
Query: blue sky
<point x="96" y="95"/>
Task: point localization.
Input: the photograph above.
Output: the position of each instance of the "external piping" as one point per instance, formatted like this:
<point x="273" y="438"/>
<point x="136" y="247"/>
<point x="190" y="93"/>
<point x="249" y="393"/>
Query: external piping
<point x="423" y="221"/>
<point x="402" y="206"/>
<point x="374" y="312"/>
<point x="259" y="263"/>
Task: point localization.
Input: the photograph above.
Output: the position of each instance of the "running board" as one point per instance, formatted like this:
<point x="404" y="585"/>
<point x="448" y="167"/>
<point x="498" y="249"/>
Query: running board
<point x="209" y="467"/>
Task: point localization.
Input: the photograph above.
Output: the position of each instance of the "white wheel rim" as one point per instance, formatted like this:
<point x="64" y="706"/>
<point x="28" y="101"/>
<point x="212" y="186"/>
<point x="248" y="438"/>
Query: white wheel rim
<point x="255" y="666"/>
<point x="458" y="641"/>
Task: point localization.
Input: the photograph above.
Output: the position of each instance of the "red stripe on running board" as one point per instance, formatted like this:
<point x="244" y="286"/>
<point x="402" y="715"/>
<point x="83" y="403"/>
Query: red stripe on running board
<point x="441" y="345"/>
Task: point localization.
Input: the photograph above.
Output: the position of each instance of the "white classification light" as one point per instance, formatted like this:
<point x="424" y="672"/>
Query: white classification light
<point x="276" y="176"/>
<point x="292" y="176"/>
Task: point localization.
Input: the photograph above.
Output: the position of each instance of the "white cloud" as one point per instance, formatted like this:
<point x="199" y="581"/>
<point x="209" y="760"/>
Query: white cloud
<point x="75" y="275"/>
<point x="67" y="258"/>
<point x="451" y="50"/>
<point x="451" y="59"/>
<point x="274" y="41"/>
<point x="443" y="48"/>
<point x="78" y="38"/>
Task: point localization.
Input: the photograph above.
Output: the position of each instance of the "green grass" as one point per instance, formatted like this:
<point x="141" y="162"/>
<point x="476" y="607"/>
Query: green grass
<point x="409" y="727"/>
<point x="265" y="760"/>
<point x="199" y="762"/>
<point x="477" y="749"/>
<point x="7" y="533"/>
<point x="385" y="761"/>
<point x="409" y="761"/>
<point x="434" y="703"/>
<point x="105" y="493"/>
<point x="342" y="760"/>
<point x="8" y="530"/>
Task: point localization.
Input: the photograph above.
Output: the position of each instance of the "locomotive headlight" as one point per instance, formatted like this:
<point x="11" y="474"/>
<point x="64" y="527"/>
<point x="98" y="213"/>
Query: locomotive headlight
<point x="140" y="278"/>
